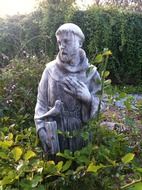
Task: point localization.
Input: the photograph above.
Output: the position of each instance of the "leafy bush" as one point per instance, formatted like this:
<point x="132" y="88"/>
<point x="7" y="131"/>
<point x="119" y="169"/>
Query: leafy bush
<point x="18" y="88"/>
<point x="108" y="163"/>
<point x="111" y="161"/>
<point x="118" y="30"/>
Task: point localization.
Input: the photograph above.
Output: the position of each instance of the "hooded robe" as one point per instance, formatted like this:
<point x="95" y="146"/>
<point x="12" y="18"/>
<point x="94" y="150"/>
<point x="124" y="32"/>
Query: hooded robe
<point x="74" y="112"/>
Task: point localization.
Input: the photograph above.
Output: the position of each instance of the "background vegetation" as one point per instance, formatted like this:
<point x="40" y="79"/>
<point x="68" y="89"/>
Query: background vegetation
<point x="117" y="29"/>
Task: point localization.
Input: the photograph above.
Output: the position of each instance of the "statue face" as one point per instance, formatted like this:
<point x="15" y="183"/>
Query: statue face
<point x="69" y="45"/>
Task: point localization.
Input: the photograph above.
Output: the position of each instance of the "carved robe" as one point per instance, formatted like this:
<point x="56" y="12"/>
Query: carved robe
<point x="74" y="113"/>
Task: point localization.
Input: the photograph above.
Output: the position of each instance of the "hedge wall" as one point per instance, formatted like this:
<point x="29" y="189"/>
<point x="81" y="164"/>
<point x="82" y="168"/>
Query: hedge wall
<point x="119" y="31"/>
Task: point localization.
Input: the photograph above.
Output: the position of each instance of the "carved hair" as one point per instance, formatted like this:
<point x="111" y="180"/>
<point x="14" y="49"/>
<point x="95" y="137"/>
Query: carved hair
<point x="70" y="27"/>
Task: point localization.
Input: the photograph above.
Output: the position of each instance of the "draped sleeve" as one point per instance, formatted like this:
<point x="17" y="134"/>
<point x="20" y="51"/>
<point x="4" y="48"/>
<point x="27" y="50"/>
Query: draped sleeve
<point x="42" y="100"/>
<point x="94" y="86"/>
<point x="95" y="99"/>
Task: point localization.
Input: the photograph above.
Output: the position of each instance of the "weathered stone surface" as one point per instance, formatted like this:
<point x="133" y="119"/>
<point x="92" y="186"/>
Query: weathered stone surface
<point x="67" y="93"/>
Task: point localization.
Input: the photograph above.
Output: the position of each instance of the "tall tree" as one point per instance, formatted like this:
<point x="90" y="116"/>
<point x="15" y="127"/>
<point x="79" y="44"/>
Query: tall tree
<point x="134" y="5"/>
<point x="56" y="12"/>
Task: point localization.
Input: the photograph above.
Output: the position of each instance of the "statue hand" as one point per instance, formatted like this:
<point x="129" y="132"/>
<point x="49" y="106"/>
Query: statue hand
<point x="43" y="138"/>
<point x="78" y="89"/>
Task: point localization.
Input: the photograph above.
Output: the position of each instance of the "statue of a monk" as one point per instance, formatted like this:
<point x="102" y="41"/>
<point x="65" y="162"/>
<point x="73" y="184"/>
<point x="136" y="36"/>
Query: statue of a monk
<point x="67" y="94"/>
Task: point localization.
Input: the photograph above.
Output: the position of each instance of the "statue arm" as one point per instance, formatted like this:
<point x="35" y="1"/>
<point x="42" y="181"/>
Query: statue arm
<point x="86" y="93"/>
<point x="94" y="84"/>
<point x="95" y="99"/>
<point x="41" y="112"/>
<point x="42" y="101"/>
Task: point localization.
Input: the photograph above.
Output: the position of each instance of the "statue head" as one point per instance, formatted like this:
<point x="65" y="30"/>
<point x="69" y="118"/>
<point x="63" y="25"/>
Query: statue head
<point x="70" y="39"/>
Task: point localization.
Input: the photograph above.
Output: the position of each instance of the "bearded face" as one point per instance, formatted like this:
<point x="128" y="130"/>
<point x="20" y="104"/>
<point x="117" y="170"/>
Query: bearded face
<point x="69" y="45"/>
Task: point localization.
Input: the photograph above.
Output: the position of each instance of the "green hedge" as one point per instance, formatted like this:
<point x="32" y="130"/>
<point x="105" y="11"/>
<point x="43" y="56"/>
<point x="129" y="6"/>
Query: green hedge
<point x="119" y="31"/>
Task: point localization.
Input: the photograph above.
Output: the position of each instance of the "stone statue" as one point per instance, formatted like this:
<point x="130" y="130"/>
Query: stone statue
<point x="67" y="94"/>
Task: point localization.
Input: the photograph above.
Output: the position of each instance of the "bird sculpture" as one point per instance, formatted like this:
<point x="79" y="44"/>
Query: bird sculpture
<point x="56" y="110"/>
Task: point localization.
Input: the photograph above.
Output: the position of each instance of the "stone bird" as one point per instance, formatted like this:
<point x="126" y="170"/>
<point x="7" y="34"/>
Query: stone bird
<point x="56" y="110"/>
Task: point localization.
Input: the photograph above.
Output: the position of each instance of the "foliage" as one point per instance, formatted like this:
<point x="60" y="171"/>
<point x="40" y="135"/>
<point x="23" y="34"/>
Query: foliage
<point x="133" y="5"/>
<point x="21" y="32"/>
<point x="117" y="29"/>
<point x="55" y="13"/>
<point x="111" y="161"/>
<point x="18" y="88"/>
<point x="10" y="35"/>
<point x="128" y="89"/>
<point x="31" y="38"/>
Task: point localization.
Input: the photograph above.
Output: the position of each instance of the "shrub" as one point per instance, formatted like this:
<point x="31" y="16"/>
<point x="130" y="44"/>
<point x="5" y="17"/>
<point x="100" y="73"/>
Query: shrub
<point x="118" y="30"/>
<point x="111" y="161"/>
<point x="18" y="88"/>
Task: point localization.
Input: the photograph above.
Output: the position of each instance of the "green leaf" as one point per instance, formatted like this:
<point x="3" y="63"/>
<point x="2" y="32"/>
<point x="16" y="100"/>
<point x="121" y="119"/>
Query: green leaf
<point x="67" y="165"/>
<point x="17" y="152"/>
<point x="94" y="168"/>
<point x="51" y="162"/>
<point x="50" y="167"/>
<point x="107" y="53"/>
<point x="137" y="186"/>
<point x="10" y="136"/>
<point x="83" y="159"/>
<point x="40" y="187"/>
<point x="99" y="58"/>
<point x="128" y="158"/>
<point x="35" y="181"/>
<point x="3" y="155"/>
<point x="2" y="136"/>
<point x="25" y="184"/>
<point x="18" y="138"/>
<point x="107" y="82"/>
<point x="9" y="178"/>
<point x="128" y="104"/>
<point x="113" y="162"/>
<point x="67" y="154"/>
<point x="6" y="180"/>
<point x="29" y="154"/>
<point x="59" y="166"/>
<point x="122" y="95"/>
<point x="85" y="135"/>
<point x="6" y="144"/>
<point x="106" y="74"/>
<point x="139" y="170"/>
